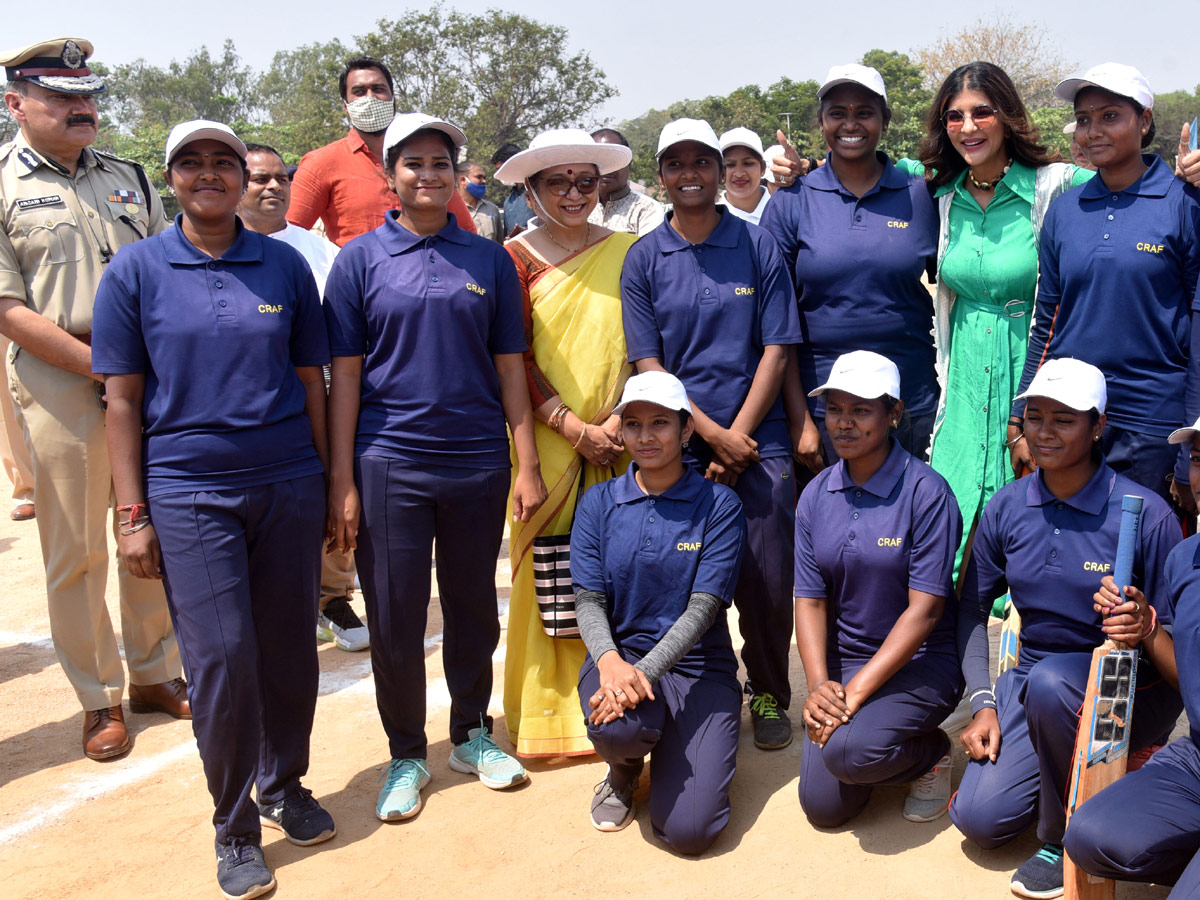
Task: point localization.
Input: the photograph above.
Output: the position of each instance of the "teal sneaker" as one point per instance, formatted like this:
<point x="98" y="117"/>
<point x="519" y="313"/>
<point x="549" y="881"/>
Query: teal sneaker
<point x="400" y="796"/>
<point x="480" y="756"/>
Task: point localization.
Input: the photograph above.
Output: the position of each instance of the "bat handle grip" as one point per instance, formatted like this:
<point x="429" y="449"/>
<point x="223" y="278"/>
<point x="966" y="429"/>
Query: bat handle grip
<point x="1131" y="514"/>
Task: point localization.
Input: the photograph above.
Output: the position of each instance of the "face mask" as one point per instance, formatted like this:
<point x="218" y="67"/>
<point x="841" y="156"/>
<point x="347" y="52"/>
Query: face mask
<point x="371" y="115"/>
<point x="476" y="190"/>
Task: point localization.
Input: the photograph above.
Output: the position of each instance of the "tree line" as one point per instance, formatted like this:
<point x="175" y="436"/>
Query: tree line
<point x="504" y="77"/>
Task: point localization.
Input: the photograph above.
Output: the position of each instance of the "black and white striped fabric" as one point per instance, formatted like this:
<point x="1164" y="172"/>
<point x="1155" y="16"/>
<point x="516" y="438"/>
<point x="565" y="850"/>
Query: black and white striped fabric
<point x="552" y="580"/>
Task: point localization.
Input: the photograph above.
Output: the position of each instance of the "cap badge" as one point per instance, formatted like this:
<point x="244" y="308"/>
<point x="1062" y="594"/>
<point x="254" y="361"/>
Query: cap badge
<point x="72" y="55"/>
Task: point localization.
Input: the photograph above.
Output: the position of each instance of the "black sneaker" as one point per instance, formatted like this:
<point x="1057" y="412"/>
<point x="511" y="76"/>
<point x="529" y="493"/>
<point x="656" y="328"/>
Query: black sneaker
<point x="337" y="623"/>
<point x="1041" y="876"/>
<point x="299" y="817"/>
<point x="772" y="727"/>
<point x="242" y="871"/>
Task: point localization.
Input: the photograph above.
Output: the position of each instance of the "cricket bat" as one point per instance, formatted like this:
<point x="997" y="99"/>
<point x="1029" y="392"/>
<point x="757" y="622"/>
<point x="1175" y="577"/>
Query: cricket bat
<point x="1010" y="638"/>
<point x="1106" y="720"/>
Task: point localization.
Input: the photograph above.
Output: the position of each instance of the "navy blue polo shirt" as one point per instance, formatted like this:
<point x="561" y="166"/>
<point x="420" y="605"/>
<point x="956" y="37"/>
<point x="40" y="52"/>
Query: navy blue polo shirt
<point x="1116" y="288"/>
<point x="862" y="549"/>
<point x="1182" y="578"/>
<point x="649" y="554"/>
<point x="428" y="314"/>
<point x="218" y="341"/>
<point x="707" y="311"/>
<point x="1051" y="555"/>
<point x="857" y="264"/>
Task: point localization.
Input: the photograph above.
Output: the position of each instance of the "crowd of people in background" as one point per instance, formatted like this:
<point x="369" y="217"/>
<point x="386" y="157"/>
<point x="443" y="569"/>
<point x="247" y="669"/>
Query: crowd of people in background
<point x="867" y="402"/>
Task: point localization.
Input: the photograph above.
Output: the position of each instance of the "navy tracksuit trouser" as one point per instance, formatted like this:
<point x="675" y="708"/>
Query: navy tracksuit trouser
<point x="1038" y="705"/>
<point x="242" y="571"/>
<point x="690" y="731"/>
<point x="894" y="738"/>
<point x="411" y="511"/>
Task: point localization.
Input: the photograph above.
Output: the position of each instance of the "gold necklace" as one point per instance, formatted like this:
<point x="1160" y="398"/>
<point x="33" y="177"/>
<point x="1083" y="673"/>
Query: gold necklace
<point x="988" y="185"/>
<point x="586" y="239"/>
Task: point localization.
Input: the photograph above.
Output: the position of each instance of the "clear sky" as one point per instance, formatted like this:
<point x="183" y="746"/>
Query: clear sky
<point x="655" y="52"/>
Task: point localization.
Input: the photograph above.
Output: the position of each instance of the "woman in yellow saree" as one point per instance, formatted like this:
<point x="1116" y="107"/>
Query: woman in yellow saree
<point x="570" y="276"/>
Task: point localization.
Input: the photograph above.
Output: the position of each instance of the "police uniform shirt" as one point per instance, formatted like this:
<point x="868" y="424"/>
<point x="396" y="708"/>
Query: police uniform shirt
<point x="707" y="311"/>
<point x="1182" y="579"/>
<point x="428" y="314"/>
<point x="862" y="548"/>
<point x="59" y="230"/>
<point x="217" y="340"/>
<point x="857" y="264"/>
<point x="649" y="554"/>
<point x="1118" y="277"/>
<point x="1051" y="554"/>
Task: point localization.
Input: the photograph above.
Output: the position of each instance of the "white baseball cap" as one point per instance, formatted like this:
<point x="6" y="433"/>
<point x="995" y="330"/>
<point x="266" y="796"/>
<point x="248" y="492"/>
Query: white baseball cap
<point x="682" y="130"/>
<point x="769" y="154"/>
<point x="1069" y="128"/>
<point x="1071" y="382"/>
<point x="1126" y="81"/>
<point x="407" y="124"/>
<point x="853" y="73"/>
<point x="1184" y="435"/>
<point x="862" y="373"/>
<point x="560" y="147"/>
<point x="660" y="388"/>
<point x="202" y="130"/>
<point x="743" y="137"/>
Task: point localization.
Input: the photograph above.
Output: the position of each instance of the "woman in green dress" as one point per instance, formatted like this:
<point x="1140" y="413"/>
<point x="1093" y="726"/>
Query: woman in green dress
<point x="993" y="181"/>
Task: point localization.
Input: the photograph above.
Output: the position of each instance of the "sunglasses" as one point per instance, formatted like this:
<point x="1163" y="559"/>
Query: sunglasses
<point x="560" y="185"/>
<point x="982" y="115"/>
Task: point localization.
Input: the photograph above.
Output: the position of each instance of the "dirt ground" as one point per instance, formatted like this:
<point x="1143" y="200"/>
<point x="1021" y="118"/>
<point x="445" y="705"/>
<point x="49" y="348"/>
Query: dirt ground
<point x="140" y="826"/>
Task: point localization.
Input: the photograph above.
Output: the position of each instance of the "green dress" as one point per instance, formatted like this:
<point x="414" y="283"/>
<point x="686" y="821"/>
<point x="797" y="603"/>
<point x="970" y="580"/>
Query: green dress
<point x="987" y="269"/>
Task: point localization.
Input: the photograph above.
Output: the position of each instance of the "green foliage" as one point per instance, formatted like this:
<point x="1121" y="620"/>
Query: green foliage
<point x="908" y="97"/>
<point x="1171" y="110"/>
<point x="1050" y="121"/>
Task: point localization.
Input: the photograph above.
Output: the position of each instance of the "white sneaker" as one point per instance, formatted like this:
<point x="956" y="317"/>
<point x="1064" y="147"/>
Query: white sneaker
<point x="337" y="623"/>
<point x="929" y="796"/>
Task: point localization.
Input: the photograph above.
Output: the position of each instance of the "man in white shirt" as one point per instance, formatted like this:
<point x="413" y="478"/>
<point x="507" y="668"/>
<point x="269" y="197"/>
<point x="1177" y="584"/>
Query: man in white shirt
<point x="621" y="208"/>
<point x="264" y="209"/>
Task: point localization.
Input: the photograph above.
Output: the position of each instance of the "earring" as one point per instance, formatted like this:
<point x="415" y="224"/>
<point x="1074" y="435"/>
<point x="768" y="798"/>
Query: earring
<point x="895" y="423"/>
<point x="1095" y="438"/>
<point x="685" y="443"/>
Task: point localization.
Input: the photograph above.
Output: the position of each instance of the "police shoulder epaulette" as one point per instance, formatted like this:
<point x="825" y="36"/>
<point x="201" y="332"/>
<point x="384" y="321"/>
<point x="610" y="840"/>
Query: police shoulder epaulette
<point x="108" y="155"/>
<point x="6" y="149"/>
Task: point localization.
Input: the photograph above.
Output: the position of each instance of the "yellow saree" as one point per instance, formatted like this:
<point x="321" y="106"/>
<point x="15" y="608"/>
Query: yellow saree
<point x="579" y="344"/>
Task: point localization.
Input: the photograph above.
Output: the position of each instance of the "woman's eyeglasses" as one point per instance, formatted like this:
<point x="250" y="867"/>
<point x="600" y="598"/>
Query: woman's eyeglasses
<point x="981" y="115"/>
<point x="560" y="185"/>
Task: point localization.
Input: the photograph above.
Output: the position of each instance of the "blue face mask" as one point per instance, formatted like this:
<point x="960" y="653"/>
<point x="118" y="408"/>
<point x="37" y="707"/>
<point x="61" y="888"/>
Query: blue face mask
<point x="478" y="191"/>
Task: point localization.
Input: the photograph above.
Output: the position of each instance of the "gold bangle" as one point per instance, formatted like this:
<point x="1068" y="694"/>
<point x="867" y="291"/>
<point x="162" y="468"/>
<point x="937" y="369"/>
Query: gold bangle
<point x="579" y="440"/>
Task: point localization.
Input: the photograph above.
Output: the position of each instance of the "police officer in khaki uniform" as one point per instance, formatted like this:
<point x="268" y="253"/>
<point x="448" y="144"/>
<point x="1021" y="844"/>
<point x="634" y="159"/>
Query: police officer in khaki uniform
<point x="65" y="209"/>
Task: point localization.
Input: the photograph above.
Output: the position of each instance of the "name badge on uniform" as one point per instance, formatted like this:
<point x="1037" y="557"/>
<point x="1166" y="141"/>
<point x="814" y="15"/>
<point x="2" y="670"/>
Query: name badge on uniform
<point x="39" y="202"/>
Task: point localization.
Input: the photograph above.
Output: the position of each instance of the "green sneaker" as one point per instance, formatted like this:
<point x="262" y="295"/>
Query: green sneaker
<point x="480" y="756"/>
<point x="400" y="796"/>
<point x="772" y="727"/>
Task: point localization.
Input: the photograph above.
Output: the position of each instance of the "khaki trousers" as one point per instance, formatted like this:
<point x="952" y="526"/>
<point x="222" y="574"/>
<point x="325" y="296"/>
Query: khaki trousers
<point x="63" y="427"/>
<point x="337" y="575"/>
<point x="14" y="455"/>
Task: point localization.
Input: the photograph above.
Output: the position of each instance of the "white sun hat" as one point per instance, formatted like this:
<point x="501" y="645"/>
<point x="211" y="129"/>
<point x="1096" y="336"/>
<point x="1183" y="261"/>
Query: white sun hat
<point x="202" y="130"/>
<point x="1125" y="81"/>
<point x="682" y="130"/>
<point x="561" y="147"/>
<point x="862" y="373"/>
<point x="743" y="137"/>
<point x="853" y="73"/>
<point x="1071" y="382"/>
<point x="660" y="388"/>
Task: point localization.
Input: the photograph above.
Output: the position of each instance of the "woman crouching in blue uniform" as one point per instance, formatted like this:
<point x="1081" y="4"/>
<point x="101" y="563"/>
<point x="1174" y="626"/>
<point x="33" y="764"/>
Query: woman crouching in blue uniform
<point x="1048" y="539"/>
<point x="211" y="341"/>
<point x="875" y="541"/>
<point x="655" y="557"/>
<point x="1146" y="827"/>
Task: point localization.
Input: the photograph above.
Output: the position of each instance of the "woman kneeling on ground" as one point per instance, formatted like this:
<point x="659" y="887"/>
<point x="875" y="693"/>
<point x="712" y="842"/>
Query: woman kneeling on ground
<point x="875" y="541"/>
<point x="655" y="556"/>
